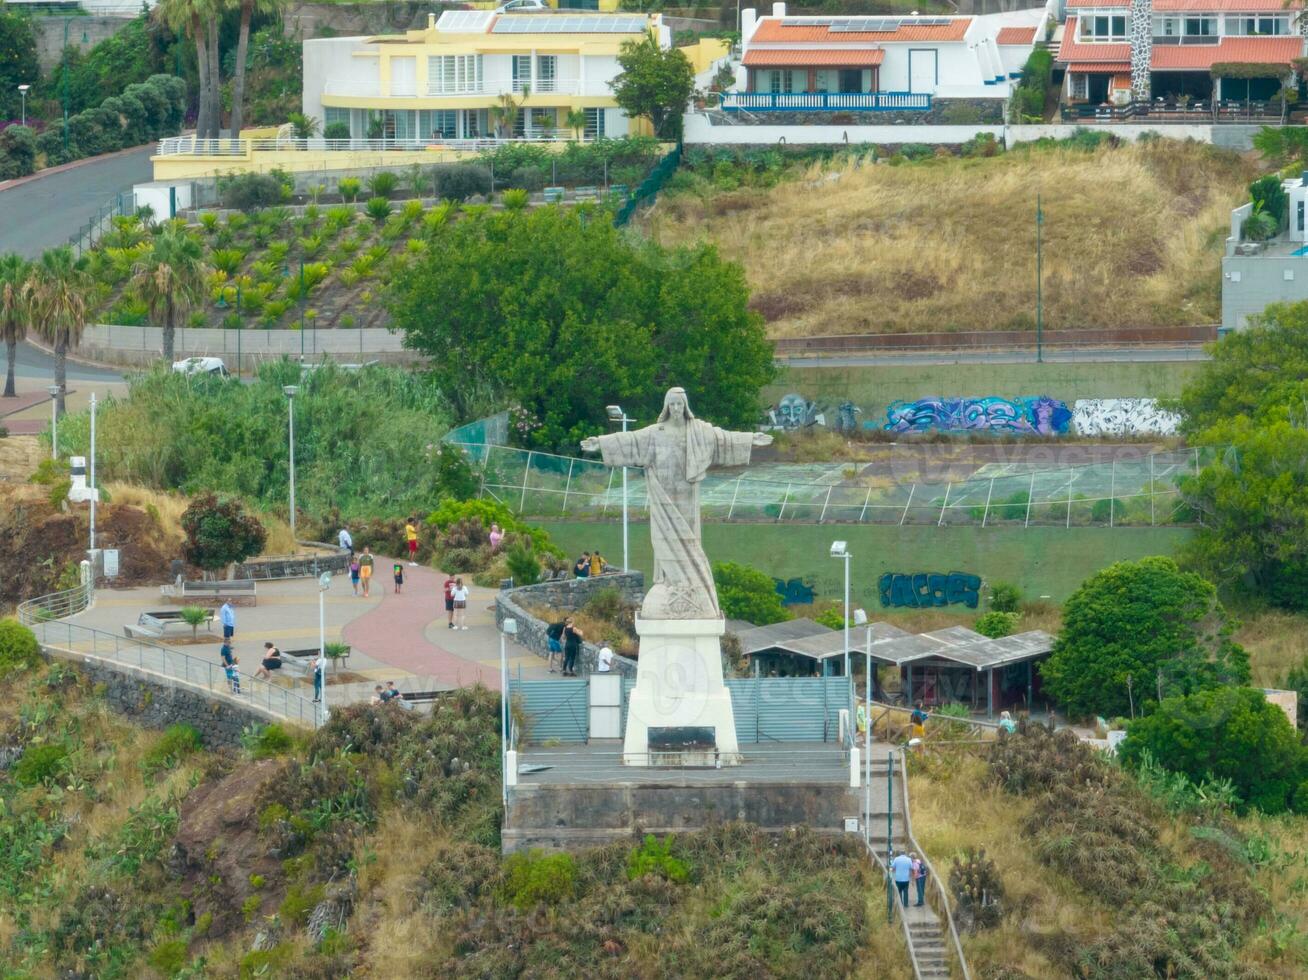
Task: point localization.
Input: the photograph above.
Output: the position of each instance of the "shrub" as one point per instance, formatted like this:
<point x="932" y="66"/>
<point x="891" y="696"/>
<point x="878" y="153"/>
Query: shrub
<point x="226" y="260"/>
<point x="981" y="145"/>
<point x="17" y="152"/>
<point x="535" y="878"/>
<point x="177" y="742"/>
<point x="654" y="857"/>
<point x="1005" y="597"/>
<point x="19" y="649"/>
<point x="41" y="764"/>
<point x="265" y="741"/>
<point x="378" y="208"/>
<point x="460" y="181"/>
<point x="1270" y="194"/>
<point x="382" y="183"/>
<point x="748" y="594"/>
<point x="349" y="188"/>
<point x="336" y="131"/>
<point x="1260" y="226"/>
<point x="977" y="889"/>
<point x="524" y="566"/>
<point x="516" y="199"/>
<point x="249" y="192"/>
<point x="219" y="532"/>
<point x="996" y="624"/>
<point x="1231" y="733"/>
<point x="169" y="956"/>
<point x="529" y="178"/>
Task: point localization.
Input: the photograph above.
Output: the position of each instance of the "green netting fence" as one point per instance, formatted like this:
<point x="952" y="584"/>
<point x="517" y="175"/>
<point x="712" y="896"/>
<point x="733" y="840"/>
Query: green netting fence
<point x="647" y="190"/>
<point x="1140" y="492"/>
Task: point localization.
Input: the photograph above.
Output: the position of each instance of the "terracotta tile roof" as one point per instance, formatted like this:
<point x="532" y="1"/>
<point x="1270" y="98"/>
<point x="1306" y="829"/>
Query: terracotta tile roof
<point x="770" y="29"/>
<point x="1015" y="35"/>
<point x="1255" y="50"/>
<point x="1215" y="6"/>
<point x="809" y="57"/>
<point x="1100" y="66"/>
<point x="1073" y="50"/>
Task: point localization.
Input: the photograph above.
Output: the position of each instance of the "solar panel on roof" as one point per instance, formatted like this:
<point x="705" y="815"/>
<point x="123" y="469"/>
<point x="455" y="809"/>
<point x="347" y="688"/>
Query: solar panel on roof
<point x="547" y="24"/>
<point x="464" y="21"/>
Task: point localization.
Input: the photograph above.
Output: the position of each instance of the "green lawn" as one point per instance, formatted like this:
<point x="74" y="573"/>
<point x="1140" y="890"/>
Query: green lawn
<point x="1042" y="561"/>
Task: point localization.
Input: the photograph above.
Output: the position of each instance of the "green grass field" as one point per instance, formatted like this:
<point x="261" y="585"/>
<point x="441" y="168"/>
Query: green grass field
<point x="1041" y="561"/>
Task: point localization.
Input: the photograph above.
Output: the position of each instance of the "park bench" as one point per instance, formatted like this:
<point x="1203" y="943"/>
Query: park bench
<point x="621" y="191"/>
<point x="585" y="193"/>
<point x="239" y="592"/>
<point x="553" y="195"/>
<point x="408" y="699"/>
<point x="161" y="622"/>
<point x="308" y="655"/>
<point x="294" y="666"/>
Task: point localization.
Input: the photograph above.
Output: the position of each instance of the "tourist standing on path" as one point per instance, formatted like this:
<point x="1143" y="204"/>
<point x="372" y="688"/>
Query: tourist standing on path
<point x="354" y="574"/>
<point x="902" y="868"/>
<point x="496" y="536"/>
<point x="918" y="720"/>
<point x="597" y="564"/>
<point x="411" y="535"/>
<point x="317" y="668"/>
<point x="919" y="878"/>
<point x="460" y="596"/>
<point x="449" y="600"/>
<point x="582" y="568"/>
<point x="554" y="640"/>
<point x="227" y="616"/>
<point x="272" y="660"/>
<point x="571" y="647"/>
<point x="345" y="541"/>
<point x="378" y="696"/>
<point x="604" y="662"/>
<point x="365" y="569"/>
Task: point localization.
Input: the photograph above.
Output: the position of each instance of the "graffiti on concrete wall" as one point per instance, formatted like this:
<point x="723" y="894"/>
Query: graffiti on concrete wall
<point x="1038" y="415"/>
<point x="794" y="411"/>
<point x="794" y="592"/>
<point x="929" y="589"/>
<point x="1122" y="417"/>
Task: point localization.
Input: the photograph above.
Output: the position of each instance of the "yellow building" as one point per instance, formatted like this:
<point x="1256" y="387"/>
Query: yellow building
<point x="474" y="74"/>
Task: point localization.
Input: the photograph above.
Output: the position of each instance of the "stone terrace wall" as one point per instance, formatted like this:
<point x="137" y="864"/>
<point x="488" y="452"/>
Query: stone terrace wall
<point x="157" y="702"/>
<point x="572" y="593"/>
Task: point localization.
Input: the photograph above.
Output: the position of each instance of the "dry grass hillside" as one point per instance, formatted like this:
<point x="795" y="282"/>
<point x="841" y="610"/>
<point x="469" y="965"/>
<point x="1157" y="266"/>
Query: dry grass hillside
<point x="1133" y="236"/>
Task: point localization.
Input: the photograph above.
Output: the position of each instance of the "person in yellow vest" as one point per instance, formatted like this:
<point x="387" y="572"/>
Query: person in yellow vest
<point x="411" y="535"/>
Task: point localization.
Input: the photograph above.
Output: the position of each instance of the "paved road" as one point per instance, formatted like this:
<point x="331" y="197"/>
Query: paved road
<point x="47" y="212"/>
<point x="1089" y="355"/>
<point x="34" y="363"/>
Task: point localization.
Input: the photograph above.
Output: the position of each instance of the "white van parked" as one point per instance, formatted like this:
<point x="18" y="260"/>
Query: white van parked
<point x="202" y="365"/>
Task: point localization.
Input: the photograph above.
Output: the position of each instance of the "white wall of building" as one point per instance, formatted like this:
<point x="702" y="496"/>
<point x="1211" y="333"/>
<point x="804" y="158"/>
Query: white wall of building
<point x="331" y="61"/>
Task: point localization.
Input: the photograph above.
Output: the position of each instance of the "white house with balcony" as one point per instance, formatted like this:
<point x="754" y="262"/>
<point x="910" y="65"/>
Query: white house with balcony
<point x="473" y="74"/>
<point x="880" y="63"/>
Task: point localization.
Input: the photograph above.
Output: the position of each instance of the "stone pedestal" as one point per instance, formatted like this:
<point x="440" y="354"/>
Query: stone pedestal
<point x="679" y="687"/>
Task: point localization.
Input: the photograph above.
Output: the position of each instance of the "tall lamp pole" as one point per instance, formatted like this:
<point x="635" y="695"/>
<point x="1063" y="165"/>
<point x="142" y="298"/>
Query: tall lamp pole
<point x="22" y="91"/>
<point x="91" y="480"/>
<point x="616" y="414"/>
<point x="291" y="391"/>
<point x="839" y="549"/>
<point x="867" y="741"/>
<point x="324" y="583"/>
<point x="1040" y="309"/>
<point x="54" y="420"/>
<point x="508" y="628"/>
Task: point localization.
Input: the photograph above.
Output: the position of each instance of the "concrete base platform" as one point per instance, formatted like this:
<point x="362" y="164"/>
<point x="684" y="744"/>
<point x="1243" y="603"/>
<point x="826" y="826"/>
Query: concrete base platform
<point x="569" y="799"/>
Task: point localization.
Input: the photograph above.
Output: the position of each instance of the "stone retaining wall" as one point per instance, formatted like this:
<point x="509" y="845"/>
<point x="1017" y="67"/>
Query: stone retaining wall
<point x="156" y="702"/>
<point x="569" y="594"/>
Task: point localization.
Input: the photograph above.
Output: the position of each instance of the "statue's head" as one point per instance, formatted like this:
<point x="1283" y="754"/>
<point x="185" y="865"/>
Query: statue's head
<point x="675" y="406"/>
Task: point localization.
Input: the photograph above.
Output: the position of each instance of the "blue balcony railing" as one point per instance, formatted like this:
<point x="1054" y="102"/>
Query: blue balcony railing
<point x="817" y="101"/>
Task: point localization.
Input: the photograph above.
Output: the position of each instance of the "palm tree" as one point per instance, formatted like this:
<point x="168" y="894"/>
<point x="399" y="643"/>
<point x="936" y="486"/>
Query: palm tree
<point x="169" y="279"/>
<point x="248" y="7"/>
<point x="13" y="311"/>
<point x="576" y="121"/>
<point x="55" y="293"/>
<point x="184" y="17"/>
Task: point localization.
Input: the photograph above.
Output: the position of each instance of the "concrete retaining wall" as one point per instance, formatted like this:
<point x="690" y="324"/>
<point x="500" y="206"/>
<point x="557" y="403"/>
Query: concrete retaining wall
<point x="566" y="594"/>
<point x="50" y="35"/>
<point x="156" y="702"/>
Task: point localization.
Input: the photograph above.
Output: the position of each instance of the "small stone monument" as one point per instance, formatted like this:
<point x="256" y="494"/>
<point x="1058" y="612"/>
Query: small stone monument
<point x="680" y="710"/>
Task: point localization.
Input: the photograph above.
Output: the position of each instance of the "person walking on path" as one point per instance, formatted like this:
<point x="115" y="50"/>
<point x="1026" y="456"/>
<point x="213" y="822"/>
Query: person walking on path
<point x="449" y="600"/>
<point x="344" y="539"/>
<point x="354" y="574"/>
<point x="460" y="596"/>
<point x="919" y="879"/>
<point x="572" y="638"/>
<point x="317" y="668"/>
<point x="902" y="869"/>
<point x="554" y="639"/>
<point x="399" y="577"/>
<point x="365" y="569"/>
<point x="272" y="660"/>
<point x="411" y="536"/>
<point x="227" y="616"/>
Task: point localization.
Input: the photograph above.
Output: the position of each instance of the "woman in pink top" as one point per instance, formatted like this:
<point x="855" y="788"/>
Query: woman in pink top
<point x="496" y="536"/>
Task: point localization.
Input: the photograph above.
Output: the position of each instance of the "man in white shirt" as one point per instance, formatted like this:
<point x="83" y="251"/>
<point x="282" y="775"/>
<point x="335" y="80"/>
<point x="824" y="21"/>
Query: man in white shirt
<point x="605" y="660"/>
<point x="345" y="540"/>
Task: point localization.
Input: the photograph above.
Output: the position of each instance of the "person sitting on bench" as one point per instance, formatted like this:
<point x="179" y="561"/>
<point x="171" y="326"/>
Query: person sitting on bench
<point x="272" y="660"/>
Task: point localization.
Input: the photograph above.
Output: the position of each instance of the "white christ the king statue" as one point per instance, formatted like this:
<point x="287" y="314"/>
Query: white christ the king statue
<point x="676" y="453"/>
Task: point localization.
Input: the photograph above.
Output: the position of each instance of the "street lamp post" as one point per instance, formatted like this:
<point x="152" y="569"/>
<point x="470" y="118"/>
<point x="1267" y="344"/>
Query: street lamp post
<point x="839" y="549"/>
<point x="22" y="92"/>
<point x="867" y="741"/>
<point x="324" y="583"/>
<point x="616" y="414"/>
<point x="291" y="391"/>
<point x="54" y="420"/>
<point x="508" y="628"/>
<point x="91" y="481"/>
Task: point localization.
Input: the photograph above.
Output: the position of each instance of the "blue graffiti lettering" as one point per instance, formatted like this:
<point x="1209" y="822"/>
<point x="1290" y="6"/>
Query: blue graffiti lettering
<point x="926" y="589"/>
<point x="795" y="592"/>
<point x="1039" y="415"/>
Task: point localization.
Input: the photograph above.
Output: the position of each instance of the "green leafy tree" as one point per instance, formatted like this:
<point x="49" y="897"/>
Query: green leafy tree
<point x="13" y="311"/>
<point x="19" y="649"/>
<point x="748" y="594"/>
<point x="219" y="532"/>
<point x="995" y="624"/>
<point x="55" y="295"/>
<point x="1230" y="733"/>
<point x="1270" y="194"/>
<point x="169" y="279"/>
<point x="247" y="8"/>
<point x="656" y="83"/>
<point x="1296" y="679"/>
<point x="556" y="311"/>
<point x="18" y="64"/>
<point x="1148" y="621"/>
<point x="17" y="152"/>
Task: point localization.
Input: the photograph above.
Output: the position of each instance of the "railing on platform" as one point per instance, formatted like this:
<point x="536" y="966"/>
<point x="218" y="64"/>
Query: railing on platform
<point x="1200" y="112"/>
<point x="193" y="146"/>
<point x="277" y="567"/>
<point x="819" y="101"/>
<point x="44" y="616"/>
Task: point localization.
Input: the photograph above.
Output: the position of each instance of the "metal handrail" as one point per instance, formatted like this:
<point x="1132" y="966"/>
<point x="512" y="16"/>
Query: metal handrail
<point x="940" y="893"/>
<point x="43" y="616"/>
<point x="337" y="561"/>
<point x="240" y="147"/>
<point x="899" y="903"/>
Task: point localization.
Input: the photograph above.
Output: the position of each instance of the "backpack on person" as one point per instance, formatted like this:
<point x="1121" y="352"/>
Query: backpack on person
<point x="555" y="630"/>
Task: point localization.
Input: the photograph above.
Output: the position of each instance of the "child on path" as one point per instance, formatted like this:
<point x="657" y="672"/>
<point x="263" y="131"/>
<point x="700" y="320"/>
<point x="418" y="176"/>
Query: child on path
<point x="233" y="678"/>
<point x="460" y="596"/>
<point x="365" y="570"/>
<point x="354" y="575"/>
<point x="411" y="535"/>
<point x="449" y="600"/>
<point x="399" y="577"/>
